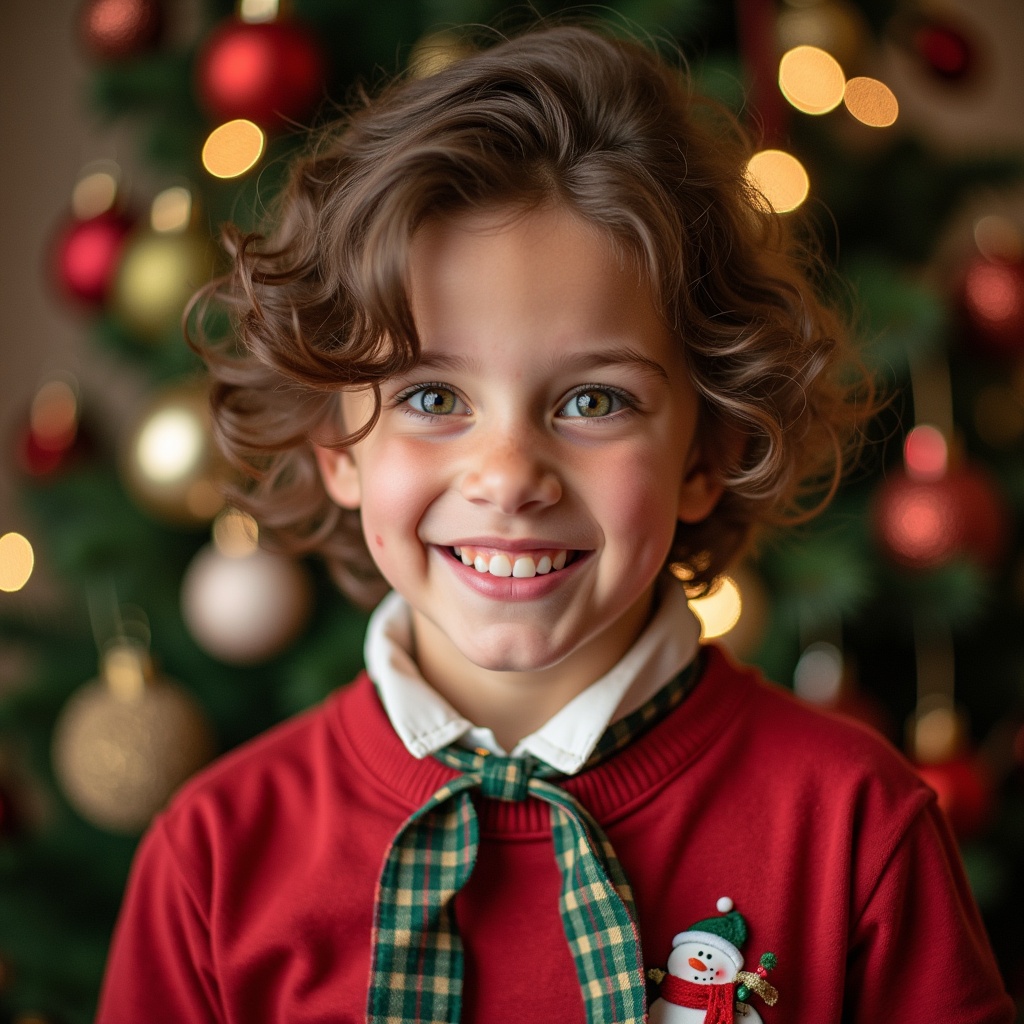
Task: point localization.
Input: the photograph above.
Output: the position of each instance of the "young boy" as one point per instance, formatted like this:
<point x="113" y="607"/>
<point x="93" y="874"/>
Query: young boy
<point x="524" y="341"/>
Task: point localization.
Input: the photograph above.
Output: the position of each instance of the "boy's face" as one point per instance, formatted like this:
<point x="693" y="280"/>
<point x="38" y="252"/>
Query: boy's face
<point x="548" y="432"/>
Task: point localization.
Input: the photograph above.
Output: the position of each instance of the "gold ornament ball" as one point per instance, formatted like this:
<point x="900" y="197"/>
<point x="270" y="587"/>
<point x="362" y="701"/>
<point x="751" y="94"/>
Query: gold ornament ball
<point x="157" y="275"/>
<point x="244" y="609"/>
<point x="120" y="751"/>
<point x="170" y="464"/>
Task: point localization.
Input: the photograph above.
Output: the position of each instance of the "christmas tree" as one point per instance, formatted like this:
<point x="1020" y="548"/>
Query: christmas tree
<point x="887" y="128"/>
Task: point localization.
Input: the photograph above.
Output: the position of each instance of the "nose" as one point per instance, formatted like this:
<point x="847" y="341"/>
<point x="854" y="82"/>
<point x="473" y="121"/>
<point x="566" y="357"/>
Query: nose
<point x="696" y="964"/>
<point x="512" y="473"/>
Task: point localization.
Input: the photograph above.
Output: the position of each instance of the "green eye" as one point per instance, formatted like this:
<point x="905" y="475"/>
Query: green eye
<point x="434" y="401"/>
<point x="591" y="403"/>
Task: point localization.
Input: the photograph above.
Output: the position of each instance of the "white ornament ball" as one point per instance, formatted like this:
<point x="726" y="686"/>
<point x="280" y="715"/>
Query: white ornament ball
<point x="244" y="609"/>
<point x="724" y="905"/>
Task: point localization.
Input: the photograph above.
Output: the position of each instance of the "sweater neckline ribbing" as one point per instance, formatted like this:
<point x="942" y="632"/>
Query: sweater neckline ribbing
<point x="609" y="790"/>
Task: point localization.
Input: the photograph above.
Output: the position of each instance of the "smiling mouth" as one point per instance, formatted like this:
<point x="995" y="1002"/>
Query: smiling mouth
<point x="516" y="564"/>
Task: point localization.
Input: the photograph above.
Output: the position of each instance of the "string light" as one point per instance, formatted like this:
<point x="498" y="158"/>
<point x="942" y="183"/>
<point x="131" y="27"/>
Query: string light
<point x="233" y="148"/>
<point x="719" y="609"/>
<point x="870" y="101"/>
<point x="780" y="178"/>
<point x="17" y="560"/>
<point x="811" y="79"/>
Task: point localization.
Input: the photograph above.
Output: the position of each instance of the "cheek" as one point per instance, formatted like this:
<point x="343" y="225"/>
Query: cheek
<point x="396" y="493"/>
<point x="634" y="494"/>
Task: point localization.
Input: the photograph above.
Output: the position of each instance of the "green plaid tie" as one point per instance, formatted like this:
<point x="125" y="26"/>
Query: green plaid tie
<point x="417" y="963"/>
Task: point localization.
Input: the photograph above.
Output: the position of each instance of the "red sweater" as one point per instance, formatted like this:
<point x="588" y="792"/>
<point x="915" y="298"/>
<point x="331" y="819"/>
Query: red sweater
<point x="251" y="897"/>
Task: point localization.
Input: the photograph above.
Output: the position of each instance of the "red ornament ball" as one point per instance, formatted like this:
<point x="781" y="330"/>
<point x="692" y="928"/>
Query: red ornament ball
<point x="992" y="299"/>
<point x="964" y="791"/>
<point x="86" y="255"/>
<point x="943" y="49"/>
<point x="269" y="72"/>
<point x="118" y="29"/>
<point x="922" y="524"/>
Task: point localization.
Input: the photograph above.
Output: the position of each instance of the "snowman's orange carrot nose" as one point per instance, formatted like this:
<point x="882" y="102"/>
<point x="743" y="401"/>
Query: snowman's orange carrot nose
<point x="696" y="964"/>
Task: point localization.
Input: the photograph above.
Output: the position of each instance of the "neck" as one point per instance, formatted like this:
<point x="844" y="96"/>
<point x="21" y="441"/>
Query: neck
<point x="517" y="700"/>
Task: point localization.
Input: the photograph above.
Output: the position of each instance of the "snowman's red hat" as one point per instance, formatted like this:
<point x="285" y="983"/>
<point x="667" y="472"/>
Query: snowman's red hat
<point x="726" y="933"/>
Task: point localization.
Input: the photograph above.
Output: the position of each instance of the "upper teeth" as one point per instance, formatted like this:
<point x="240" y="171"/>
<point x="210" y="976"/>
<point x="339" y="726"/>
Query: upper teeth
<point x="519" y="566"/>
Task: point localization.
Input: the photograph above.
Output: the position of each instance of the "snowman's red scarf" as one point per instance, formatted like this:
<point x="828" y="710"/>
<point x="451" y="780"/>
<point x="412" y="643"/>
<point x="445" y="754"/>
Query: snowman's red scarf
<point x="717" y="999"/>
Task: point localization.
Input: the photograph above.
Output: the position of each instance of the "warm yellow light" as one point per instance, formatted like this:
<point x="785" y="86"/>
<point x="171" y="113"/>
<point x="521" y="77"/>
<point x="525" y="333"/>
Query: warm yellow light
<point x="170" y="446"/>
<point x="719" y="609"/>
<point x="16" y="562"/>
<point x="780" y="178"/>
<point x="233" y="148"/>
<point x="811" y="79"/>
<point x="236" y="534"/>
<point x="256" y="11"/>
<point x="96" y="190"/>
<point x="171" y="210"/>
<point x="872" y="102"/>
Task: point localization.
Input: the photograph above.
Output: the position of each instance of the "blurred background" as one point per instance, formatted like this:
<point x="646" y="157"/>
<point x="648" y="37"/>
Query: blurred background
<point x="143" y="626"/>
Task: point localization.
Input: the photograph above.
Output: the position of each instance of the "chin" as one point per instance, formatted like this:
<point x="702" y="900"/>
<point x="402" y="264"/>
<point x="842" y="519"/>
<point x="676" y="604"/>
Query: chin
<point x="512" y="654"/>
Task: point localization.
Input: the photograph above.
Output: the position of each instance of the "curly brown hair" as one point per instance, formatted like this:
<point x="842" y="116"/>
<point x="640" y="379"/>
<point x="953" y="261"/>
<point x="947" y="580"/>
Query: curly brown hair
<point x="557" y="116"/>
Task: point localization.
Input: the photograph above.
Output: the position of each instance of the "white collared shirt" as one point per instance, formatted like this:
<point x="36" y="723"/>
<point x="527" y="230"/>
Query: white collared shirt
<point x="426" y="722"/>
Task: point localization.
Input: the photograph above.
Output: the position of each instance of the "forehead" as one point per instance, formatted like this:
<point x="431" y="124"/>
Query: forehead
<point x="479" y="279"/>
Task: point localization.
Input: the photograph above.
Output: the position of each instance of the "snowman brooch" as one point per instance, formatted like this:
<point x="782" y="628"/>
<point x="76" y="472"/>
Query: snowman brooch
<point x="705" y="983"/>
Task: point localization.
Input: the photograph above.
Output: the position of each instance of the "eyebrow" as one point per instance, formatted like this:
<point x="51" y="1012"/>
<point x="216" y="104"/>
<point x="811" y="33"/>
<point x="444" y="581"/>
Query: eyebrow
<point x="560" y="363"/>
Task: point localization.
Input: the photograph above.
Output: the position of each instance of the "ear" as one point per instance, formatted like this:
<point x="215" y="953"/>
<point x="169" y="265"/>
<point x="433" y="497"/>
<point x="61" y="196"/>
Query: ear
<point x="702" y="484"/>
<point x="340" y="475"/>
<point x="699" y="493"/>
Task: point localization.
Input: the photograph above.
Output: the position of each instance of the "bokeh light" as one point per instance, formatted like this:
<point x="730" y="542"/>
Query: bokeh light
<point x="170" y="445"/>
<point x="872" y="102"/>
<point x="993" y="292"/>
<point x="998" y="238"/>
<point x="818" y="676"/>
<point x="811" y="79"/>
<point x="171" y="210"/>
<point x="780" y="178"/>
<point x="17" y="560"/>
<point x="719" y="609"/>
<point x="53" y="418"/>
<point x="95" y="190"/>
<point x="235" y="533"/>
<point x="434" y="52"/>
<point x="254" y="12"/>
<point x="233" y="148"/>
<point x="926" y="453"/>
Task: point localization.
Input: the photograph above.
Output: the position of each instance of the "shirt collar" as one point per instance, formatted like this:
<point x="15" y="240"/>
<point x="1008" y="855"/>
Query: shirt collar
<point x="426" y="722"/>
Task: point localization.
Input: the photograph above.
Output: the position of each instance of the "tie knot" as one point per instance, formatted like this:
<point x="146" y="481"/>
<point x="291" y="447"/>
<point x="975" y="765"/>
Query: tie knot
<point x="505" y="778"/>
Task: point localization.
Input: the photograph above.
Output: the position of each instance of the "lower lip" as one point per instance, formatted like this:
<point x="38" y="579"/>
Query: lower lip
<point x="513" y="588"/>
